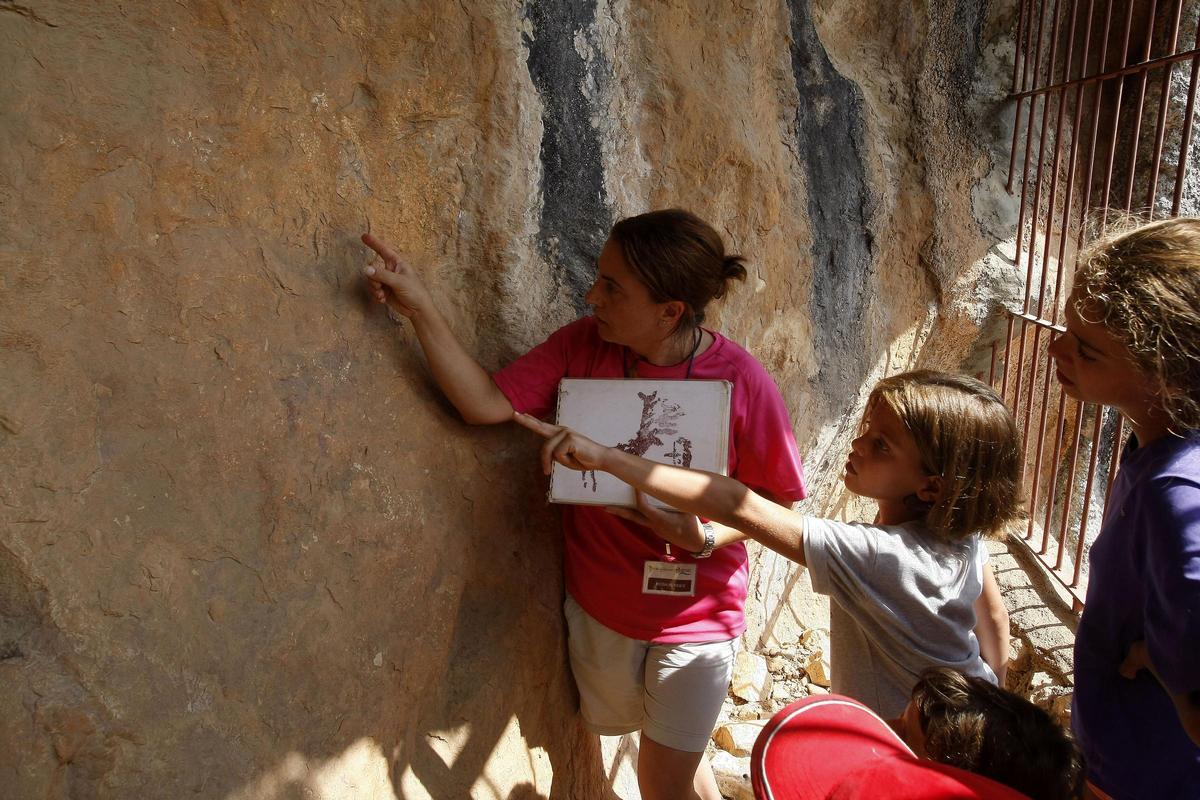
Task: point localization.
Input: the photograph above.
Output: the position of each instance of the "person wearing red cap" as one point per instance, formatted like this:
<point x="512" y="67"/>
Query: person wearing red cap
<point x="959" y="737"/>
<point x="831" y="746"/>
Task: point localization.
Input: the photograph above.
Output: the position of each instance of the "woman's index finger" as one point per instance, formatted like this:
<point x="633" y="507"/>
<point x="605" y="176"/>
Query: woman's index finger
<point x="543" y="429"/>
<point x="385" y="252"/>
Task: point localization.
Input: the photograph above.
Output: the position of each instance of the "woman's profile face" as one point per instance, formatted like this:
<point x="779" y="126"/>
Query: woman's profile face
<point x="625" y="313"/>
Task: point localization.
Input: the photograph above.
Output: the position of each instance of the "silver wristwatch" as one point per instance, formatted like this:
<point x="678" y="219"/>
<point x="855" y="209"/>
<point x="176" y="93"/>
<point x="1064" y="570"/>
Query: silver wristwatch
<point x="710" y="540"/>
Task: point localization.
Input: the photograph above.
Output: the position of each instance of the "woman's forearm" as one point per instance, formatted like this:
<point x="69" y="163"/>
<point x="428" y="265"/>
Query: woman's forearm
<point x="465" y="383"/>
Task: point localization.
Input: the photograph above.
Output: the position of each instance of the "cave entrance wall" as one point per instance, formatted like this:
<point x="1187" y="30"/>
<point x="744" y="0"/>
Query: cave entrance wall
<point x="247" y="551"/>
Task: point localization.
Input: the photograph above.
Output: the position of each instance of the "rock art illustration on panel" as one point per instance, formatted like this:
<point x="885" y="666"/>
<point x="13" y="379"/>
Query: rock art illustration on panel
<point x="660" y="417"/>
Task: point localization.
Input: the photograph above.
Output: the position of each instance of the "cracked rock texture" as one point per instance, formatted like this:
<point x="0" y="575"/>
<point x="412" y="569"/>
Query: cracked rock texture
<point x="246" y="550"/>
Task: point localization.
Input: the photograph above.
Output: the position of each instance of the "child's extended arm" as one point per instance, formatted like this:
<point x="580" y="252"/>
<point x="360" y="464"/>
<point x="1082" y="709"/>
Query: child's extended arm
<point x="706" y="494"/>
<point x="466" y="384"/>
<point x="991" y="626"/>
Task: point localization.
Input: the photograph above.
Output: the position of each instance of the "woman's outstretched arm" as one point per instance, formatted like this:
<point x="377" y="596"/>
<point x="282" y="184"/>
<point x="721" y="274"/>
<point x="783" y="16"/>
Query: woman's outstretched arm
<point x="466" y="384"/>
<point x="706" y="494"/>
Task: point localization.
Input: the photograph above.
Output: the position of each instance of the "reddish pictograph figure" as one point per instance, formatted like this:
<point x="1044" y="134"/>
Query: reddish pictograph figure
<point x="659" y="419"/>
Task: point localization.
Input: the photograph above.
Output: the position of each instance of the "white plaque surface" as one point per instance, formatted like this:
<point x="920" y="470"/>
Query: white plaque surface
<point x="685" y="423"/>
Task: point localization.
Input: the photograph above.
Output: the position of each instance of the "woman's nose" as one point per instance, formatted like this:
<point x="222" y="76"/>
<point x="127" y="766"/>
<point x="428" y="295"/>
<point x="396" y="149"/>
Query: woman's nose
<point x="592" y="294"/>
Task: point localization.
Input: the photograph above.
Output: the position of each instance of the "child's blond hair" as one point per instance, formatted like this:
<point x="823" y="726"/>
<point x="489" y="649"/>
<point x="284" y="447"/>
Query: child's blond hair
<point x="1144" y="285"/>
<point x="965" y="435"/>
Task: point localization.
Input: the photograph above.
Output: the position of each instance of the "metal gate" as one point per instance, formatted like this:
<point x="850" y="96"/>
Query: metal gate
<point x="1105" y="99"/>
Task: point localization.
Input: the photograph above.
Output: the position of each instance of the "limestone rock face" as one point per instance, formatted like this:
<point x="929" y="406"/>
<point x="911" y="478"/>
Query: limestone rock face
<point x="247" y="551"/>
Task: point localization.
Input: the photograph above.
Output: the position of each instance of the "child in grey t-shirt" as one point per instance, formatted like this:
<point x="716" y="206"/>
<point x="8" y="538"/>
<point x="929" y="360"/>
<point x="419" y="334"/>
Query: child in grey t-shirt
<point x="940" y="455"/>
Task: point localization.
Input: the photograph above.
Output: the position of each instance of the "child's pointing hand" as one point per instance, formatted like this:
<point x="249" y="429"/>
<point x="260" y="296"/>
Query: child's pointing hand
<point x="571" y="449"/>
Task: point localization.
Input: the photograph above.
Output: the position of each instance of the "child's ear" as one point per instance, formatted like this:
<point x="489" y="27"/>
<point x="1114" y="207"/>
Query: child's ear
<point x="931" y="490"/>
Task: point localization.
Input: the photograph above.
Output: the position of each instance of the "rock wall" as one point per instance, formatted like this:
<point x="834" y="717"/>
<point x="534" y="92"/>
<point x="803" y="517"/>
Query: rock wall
<point x="247" y="551"/>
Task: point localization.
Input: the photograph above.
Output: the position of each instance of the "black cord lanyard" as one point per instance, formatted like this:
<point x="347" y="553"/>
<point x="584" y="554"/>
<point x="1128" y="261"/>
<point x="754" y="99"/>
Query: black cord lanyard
<point x="630" y="370"/>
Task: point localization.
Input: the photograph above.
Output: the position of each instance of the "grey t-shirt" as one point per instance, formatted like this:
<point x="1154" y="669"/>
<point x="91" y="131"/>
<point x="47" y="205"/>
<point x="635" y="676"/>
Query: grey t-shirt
<point x="903" y="600"/>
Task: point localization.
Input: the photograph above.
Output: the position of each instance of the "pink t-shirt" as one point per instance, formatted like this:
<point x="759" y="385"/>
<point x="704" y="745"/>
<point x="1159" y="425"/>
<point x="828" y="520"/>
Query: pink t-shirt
<point x="605" y="555"/>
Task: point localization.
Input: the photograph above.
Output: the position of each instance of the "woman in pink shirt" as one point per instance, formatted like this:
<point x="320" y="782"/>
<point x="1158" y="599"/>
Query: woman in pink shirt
<point x="650" y="662"/>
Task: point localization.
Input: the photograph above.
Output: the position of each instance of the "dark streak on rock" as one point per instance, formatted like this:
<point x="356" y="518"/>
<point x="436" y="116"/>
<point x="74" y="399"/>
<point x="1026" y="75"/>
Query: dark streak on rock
<point x="575" y="218"/>
<point x="829" y="132"/>
<point x="27" y="12"/>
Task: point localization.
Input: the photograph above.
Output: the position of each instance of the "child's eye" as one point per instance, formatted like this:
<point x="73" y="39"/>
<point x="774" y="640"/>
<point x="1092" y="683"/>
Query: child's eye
<point x="1084" y="356"/>
<point x="881" y="445"/>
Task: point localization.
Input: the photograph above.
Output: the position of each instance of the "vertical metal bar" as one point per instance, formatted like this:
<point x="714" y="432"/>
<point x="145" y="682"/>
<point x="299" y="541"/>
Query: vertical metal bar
<point x="1025" y="172"/>
<point x="1057" y="450"/>
<point x="1087" y="492"/>
<point x="1096" y="104"/>
<point x="1039" y="448"/>
<point x="1012" y="158"/>
<point x="1185" y="140"/>
<point x="1053" y="194"/>
<point x="1017" y="48"/>
<point x="1035" y="355"/>
<point x="1164" y="100"/>
<point x="1037" y="191"/>
<point x="1112" y="147"/>
<point x="1016" y="404"/>
<point x="1115" y="462"/>
<point x="1037" y="181"/>
<point x="1007" y="353"/>
<point x="1025" y="76"/>
<point x="1141" y="104"/>
<point x="1066" y="509"/>
<point x="1066" y="217"/>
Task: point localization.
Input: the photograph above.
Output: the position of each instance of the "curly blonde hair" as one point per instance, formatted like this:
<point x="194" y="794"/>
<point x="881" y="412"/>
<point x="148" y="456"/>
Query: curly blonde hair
<point x="966" y="435"/>
<point x="1144" y="283"/>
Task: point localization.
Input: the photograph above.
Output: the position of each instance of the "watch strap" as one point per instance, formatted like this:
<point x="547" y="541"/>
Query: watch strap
<point x="710" y="540"/>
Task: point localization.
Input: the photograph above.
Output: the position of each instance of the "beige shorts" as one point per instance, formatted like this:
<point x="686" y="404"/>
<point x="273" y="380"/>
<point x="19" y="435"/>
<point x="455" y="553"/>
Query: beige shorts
<point x="670" y="692"/>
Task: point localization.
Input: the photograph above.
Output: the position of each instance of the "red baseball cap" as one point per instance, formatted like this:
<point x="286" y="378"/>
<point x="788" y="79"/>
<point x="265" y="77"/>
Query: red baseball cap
<point x="831" y="747"/>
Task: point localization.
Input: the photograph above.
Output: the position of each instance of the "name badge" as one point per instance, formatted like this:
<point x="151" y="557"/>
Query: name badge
<point x="661" y="577"/>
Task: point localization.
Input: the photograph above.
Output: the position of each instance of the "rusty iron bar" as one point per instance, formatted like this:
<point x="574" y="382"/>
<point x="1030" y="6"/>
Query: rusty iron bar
<point x="1025" y="168"/>
<point x="1025" y="78"/>
<point x="1185" y="141"/>
<point x="1007" y="350"/>
<point x="1164" y="101"/>
<point x="1039" y="448"/>
<point x="1027" y="412"/>
<point x="1037" y="197"/>
<point x="1096" y="104"/>
<point x="1066" y="508"/>
<point x="1088" y="487"/>
<point x="1053" y="193"/>
<point x="1144" y="78"/>
<point x="1070" y="181"/>
<point x="1020" y="30"/>
<point x="1112" y="148"/>
<point x="1114" y="462"/>
<point x="1057" y="450"/>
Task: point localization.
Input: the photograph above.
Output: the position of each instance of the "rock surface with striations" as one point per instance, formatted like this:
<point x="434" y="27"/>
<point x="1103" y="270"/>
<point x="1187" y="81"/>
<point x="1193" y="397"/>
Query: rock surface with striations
<point x="246" y="551"/>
